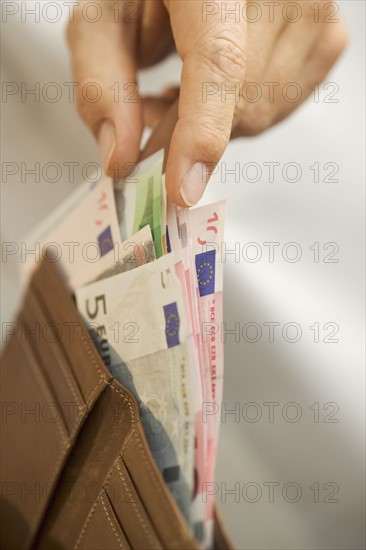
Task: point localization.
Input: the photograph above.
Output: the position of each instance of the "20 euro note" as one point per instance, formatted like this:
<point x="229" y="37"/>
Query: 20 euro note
<point x="139" y="317"/>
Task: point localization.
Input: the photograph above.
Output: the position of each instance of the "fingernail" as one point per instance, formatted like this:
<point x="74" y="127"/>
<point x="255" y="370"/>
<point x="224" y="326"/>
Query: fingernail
<point x="194" y="183"/>
<point x="107" y="143"/>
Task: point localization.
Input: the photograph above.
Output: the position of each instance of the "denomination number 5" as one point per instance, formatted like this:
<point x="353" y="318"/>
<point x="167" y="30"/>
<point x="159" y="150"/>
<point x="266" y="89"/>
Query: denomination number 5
<point x="92" y="315"/>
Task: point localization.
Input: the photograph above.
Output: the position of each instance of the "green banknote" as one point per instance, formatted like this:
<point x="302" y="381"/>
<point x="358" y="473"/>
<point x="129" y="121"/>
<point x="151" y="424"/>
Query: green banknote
<point x="148" y="206"/>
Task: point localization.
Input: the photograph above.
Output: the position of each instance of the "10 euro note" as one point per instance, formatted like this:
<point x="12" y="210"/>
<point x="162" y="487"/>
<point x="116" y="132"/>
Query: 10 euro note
<point x="207" y="234"/>
<point x="139" y="319"/>
<point x="179" y="234"/>
<point x="82" y="234"/>
<point x="206" y="225"/>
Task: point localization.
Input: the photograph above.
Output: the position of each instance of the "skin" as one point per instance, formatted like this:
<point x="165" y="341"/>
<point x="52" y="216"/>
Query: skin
<point x="218" y="51"/>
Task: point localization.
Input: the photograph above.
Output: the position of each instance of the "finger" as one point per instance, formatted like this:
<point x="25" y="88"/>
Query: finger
<point x="155" y="108"/>
<point x="302" y="55"/>
<point x="279" y="83"/>
<point x="155" y="37"/>
<point x="262" y="38"/>
<point x="323" y="56"/>
<point x="213" y="55"/>
<point x="103" y="54"/>
<point x="162" y="134"/>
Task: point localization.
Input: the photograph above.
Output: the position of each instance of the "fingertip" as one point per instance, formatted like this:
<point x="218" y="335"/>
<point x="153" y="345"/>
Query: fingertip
<point x="193" y="184"/>
<point x="119" y="148"/>
<point x="186" y="190"/>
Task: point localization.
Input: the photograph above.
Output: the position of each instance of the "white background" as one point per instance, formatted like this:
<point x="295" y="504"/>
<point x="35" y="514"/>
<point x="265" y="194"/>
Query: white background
<point x="304" y="292"/>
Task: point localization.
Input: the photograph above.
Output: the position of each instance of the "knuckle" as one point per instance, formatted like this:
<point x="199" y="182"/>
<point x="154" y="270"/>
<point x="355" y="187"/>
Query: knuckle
<point x="257" y="119"/>
<point x="223" y="55"/>
<point x="91" y="106"/>
<point x="240" y="110"/>
<point x="212" y="136"/>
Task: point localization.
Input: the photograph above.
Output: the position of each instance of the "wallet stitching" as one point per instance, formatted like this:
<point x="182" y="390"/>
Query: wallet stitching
<point x="91" y="397"/>
<point x="81" y="406"/>
<point x="126" y="443"/>
<point x="157" y="485"/>
<point x="91" y="353"/>
<point x="145" y="527"/>
<point x="46" y="392"/>
<point x="121" y="545"/>
<point x="125" y="398"/>
<point x="55" y="280"/>
<point x="60" y="361"/>
<point x="65" y="442"/>
<point x="91" y="513"/>
<point x="101" y="377"/>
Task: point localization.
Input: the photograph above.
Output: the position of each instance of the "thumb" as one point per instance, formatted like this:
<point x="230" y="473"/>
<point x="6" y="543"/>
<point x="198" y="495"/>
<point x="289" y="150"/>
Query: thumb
<point x="213" y="54"/>
<point x="103" y="60"/>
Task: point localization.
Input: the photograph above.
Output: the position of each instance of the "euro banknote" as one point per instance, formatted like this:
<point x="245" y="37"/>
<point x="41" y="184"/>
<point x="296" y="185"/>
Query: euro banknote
<point x="151" y="361"/>
<point x="136" y="251"/>
<point x="200" y="437"/>
<point x="206" y="225"/>
<point x="141" y="202"/>
<point x="84" y="239"/>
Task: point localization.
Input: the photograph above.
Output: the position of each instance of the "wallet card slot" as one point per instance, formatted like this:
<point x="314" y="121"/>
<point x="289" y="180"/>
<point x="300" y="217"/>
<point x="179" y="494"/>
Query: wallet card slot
<point x="84" y="476"/>
<point x="47" y="343"/>
<point x="52" y="412"/>
<point x="51" y="291"/>
<point x="159" y="503"/>
<point x="130" y="510"/>
<point x="35" y="443"/>
<point x="102" y="530"/>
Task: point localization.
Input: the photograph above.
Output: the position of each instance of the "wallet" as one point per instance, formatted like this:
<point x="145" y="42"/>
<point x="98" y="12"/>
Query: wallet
<point x="76" y="470"/>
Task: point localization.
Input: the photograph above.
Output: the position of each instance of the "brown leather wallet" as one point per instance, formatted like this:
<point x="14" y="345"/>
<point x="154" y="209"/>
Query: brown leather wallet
<point x="76" y="468"/>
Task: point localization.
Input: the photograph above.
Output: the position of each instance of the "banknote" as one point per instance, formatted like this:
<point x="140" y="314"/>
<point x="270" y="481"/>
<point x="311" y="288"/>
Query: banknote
<point x="178" y="240"/>
<point x="140" y="315"/>
<point x="163" y="216"/>
<point x="140" y="201"/>
<point x="82" y="235"/>
<point x="136" y="251"/>
<point x="207" y="236"/>
<point x="190" y="275"/>
<point x="206" y="225"/>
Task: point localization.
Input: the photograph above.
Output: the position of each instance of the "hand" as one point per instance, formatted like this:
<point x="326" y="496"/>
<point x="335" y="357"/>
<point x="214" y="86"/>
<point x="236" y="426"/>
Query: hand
<point x="272" y="65"/>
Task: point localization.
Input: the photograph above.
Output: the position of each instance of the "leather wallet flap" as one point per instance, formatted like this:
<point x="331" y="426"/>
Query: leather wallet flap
<point x="76" y="468"/>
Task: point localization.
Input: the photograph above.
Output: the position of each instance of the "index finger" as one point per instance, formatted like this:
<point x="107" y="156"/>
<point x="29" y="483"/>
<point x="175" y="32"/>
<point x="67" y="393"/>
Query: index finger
<point x="213" y="52"/>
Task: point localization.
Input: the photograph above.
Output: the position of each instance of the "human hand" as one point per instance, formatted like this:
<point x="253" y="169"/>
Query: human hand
<point x="225" y="47"/>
